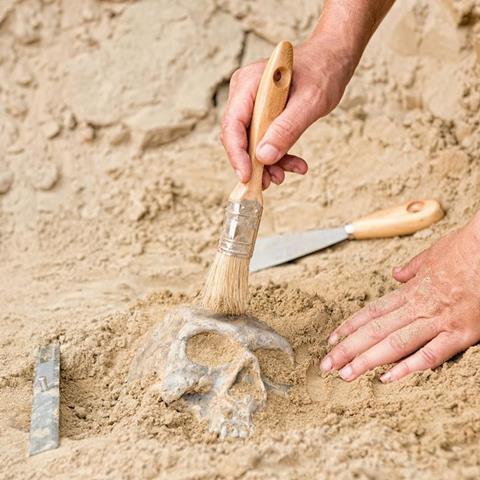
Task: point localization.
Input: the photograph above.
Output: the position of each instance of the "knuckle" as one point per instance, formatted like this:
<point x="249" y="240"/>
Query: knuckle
<point x="345" y="329"/>
<point x="397" y="342"/>
<point x="361" y="364"/>
<point x="454" y="324"/>
<point x="468" y="337"/>
<point x="373" y="309"/>
<point x="402" y="369"/>
<point x="285" y="129"/>
<point x="375" y="330"/>
<point x="429" y="357"/>
<point x="340" y="353"/>
<point x="462" y="337"/>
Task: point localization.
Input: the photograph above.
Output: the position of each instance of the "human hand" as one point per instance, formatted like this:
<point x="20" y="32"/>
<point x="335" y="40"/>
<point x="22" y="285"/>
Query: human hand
<point x="320" y="76"/>
<point x="433" y="316"/>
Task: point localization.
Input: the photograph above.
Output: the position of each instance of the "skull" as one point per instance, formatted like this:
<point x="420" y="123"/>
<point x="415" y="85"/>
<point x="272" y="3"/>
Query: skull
<point x="226" y="389"/>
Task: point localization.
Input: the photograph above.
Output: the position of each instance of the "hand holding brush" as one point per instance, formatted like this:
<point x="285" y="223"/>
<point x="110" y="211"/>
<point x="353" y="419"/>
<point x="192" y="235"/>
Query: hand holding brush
<point x="226" y="287"/>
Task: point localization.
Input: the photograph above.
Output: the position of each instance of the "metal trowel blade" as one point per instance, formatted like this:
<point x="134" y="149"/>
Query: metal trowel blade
<point x="278" y="249"/>
<point x="44" y="433"/>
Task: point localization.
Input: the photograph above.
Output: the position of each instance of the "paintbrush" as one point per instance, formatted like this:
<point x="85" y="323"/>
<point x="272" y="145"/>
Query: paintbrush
<point x="226" y="286"/>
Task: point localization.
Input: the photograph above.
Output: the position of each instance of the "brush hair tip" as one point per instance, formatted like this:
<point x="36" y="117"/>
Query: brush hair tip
<point x="226" y="286"/>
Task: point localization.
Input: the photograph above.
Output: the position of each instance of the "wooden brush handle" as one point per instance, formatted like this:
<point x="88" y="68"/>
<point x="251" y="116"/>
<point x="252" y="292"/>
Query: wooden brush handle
<point x="270" y="101"/>
<point x="402" y="220"/>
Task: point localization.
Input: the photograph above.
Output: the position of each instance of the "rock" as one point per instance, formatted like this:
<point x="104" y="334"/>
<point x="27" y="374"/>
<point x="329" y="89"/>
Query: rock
<point x="119" y="134"/>
<point x="156" y="126"/>
<point x="6" y="7"/>
<point x="268" y="21"/>
<point x="404" y="37"/>
<point x="443" y="102"/>
<point x="27" y="27"/>
<point x="137" y="248"/>
<point x="51" y="129"/>
<point x="461" y="10"/>
<point x="354" y="97"/>
<point x="451" y="163"/>
<point x="69" y="120"/>
<point x="137" y="211"/>
<point x="87" y="134"/>
<point x="411" y="101"/>
<point x="6" y="181"/>
<point x="16" y="105"/>
<point x="44" y="176"/>
<point x="463" y="130"/>
<point x="165" y="89"/>
<point x="441" y="38"/>
<point x="22" y="75"/>
<point x="80" y="412"/>
<point x="255" y="48"/>
<point x="88" y="14"/>
<point x="15" y="148"/>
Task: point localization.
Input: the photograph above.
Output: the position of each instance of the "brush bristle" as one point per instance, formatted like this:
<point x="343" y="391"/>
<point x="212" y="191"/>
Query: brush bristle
<point x="226" y="287"/>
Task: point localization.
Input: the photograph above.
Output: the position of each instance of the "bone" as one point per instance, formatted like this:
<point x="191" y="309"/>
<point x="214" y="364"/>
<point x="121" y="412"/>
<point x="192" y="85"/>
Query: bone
<point x="225" y="391"/>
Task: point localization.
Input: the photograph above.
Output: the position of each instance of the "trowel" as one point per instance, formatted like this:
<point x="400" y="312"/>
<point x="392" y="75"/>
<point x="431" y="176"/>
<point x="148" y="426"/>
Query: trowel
<point x="391" y="222"/>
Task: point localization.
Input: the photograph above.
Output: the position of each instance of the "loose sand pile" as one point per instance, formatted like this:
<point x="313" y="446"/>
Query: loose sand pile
<point x="112" y="184"/>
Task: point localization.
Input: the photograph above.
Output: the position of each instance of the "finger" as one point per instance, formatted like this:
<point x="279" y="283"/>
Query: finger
<point x="394" y="347"/>
<point x="237" y="116"/>
<point x="232" y="137"/>
<point x="292" y="163"/>
<point x="365" y="337"/>
<point x="434" y="353"/>
<point x="386" y="304"/>
<point x="266" y="179"/>
<point x="408" y="271"/>
<point x="285" y="130"/>
<point x="276" y="173"/>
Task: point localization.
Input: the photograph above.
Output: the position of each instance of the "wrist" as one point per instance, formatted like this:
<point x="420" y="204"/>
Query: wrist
<point x="346" y="26"/>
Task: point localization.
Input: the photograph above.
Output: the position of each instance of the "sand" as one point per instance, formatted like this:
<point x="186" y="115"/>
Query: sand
<point x="112" y="184"/>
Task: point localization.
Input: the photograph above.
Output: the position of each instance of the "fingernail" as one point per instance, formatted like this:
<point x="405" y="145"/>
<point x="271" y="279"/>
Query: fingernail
<point x="326" y="364"/>
<point x="346" y="372"/>
<point x="333" y="339"/>
<point x="238" y="173"/>
<point x="298" y="170"/>
<point x="386" y="377"/>
<point x="267" y="153"/>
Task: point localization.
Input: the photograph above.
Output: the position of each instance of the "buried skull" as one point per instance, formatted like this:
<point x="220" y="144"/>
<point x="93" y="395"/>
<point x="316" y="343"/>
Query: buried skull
<point x="221" y="380"/>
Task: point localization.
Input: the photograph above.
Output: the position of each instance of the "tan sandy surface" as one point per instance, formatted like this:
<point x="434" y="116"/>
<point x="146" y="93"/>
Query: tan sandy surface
<point x="113" y="181"/>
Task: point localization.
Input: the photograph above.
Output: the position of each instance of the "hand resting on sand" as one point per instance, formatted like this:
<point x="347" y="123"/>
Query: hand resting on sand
<point x="433" y="316"/>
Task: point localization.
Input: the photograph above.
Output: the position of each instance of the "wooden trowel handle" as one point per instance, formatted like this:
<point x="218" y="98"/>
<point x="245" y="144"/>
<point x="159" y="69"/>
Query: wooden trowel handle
<point x="402" y="220"/>
<point x="270" y="101"/>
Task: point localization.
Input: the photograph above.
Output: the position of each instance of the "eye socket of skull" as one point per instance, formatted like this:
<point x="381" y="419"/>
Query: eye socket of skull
<point x="211" y="349"/>
<point x="247" y="383"/>
<point x="274" y="365"/>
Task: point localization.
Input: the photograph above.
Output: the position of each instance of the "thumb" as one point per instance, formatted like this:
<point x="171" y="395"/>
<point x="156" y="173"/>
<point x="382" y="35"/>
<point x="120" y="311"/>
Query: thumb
<point x="408" y="271"/>
<point x="284" y="131"/>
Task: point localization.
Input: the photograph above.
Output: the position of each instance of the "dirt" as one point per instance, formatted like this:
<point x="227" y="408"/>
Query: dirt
<point x="112" y="184"/>
<point x="211" y="349"/>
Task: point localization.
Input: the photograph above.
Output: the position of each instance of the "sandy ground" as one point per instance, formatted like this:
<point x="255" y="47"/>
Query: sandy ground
<point x="113" y="180"/>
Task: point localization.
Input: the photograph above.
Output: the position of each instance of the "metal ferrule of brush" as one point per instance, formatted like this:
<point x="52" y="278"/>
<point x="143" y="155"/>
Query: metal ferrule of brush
<point x="240" y="228"/>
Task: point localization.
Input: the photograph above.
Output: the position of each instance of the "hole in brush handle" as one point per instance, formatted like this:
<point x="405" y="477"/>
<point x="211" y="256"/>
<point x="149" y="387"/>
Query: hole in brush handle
<point x="281" y="77"/>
